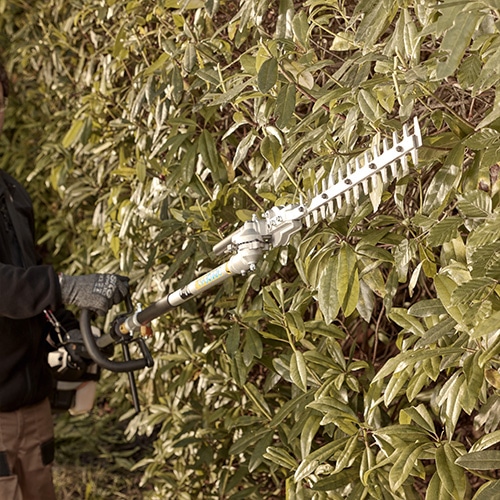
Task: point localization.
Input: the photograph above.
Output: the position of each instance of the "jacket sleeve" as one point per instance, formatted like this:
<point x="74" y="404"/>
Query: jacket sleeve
<point x="25" y="293"/>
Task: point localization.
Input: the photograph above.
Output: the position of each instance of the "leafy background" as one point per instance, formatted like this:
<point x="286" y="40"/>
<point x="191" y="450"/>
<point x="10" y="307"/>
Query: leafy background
<point x="359" y="361"/>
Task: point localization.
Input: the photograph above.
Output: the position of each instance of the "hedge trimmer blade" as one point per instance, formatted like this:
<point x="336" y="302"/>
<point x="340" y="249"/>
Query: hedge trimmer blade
<point x="362" y="175"/>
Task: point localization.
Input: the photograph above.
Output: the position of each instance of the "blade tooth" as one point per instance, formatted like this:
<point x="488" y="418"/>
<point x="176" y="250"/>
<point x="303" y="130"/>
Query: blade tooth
<point x="315" y="216"/>
<point x="386" y="144"/>
<point x="308" y="221"/>
<point x="367" y="158"/>
<point x="406" y="132"/>
<point x="414" y="157"/>
<point x="348" y="196"/>
<point x="322" y="210"/>
<point x="395" y="138"/>
<point x="358" y="163"/>
<point x="339" y="202"/>
<point x="355" y="191"/>
<point x="331" y="207"/>
<point x="348" y="169"/>
<point x="417" y="133"/>
<point x="366" y="186"/>
<point x="404" y="163"/>
<point x="324" y="185"/>
<point x="383" y="175"/>
<point x="394" y="169"/>
<point x="376" y="180"/>
<point x="301" y="200"/>
<point x="331" y="178"/>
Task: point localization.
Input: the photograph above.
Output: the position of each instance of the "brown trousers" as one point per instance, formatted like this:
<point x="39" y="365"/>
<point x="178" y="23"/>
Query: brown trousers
<point x="26" y="453"/>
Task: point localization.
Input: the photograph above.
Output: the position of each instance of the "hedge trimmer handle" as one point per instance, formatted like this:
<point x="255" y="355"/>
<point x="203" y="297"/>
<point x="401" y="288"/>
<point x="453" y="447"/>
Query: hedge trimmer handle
<point x="95" y="349"/>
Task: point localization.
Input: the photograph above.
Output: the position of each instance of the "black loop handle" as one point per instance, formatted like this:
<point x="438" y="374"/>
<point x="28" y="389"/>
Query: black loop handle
<point x="96" y="354"/>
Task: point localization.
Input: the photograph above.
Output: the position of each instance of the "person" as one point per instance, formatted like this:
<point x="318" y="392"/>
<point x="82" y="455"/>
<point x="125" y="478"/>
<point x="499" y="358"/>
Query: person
<point x="27" y="289"/>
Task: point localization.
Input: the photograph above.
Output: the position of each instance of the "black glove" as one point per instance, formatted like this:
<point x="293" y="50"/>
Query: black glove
<point x="97" y="292"/>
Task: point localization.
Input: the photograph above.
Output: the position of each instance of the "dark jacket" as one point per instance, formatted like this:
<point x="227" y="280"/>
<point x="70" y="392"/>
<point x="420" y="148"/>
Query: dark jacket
<point x="26" y="289"/>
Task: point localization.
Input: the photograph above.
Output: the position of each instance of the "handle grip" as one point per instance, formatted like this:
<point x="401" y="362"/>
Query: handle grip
<point x="96" y="354"/>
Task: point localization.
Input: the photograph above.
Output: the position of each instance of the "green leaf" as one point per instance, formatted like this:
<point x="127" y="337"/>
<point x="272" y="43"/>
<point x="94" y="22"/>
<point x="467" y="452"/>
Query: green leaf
<point x="494" y="115"/>
<point x="233" y="339"/>
<point x="253" y="346"/>
<point x="406" y="459"/>
<point x="483" y="139"/>
<point x="347" y="279"/>
<point x="440" y="330"/>
<point x="444" y="231"/>
<point x="295" y="324"/>
<point x="327" y="291"/>
<point x="311" y="426"/>
<point x="436" y="489"/>
<point x="368" y="105"/>
<point x="285" y="105"/>
<point x="298" y="403"/>
<point x="469" y="71"/>
<point x="377" y="15"/>
<point x="427" y="308"/>
<point x="474" y="375"/>
<point x="350" y="452"/>
<point x="258" y="399"/>
<point x="449" y="402"/>
<point x="395" y="385"/>
<point x="475" y="204"/>
<point x="488" y="491"/>
<point x="243" y="148"/>
<point x="445" y="287"/>
<point x="337" y="481"/>
<point x="210" y="155"/>
<point x="301" y="27"/>
<point x="480" y="460"/>
<point x="475" y="289"/>
<point x="280" y="457"/>
<point x="452" y="476"/>
<point x="420" y="415"/>
<point x="486" y="441"/>
<point x="486" y="233"/>
<point x="406" y="320"/>
<point x="74" y="134"/>
<point x="455" y="42"/>
<point x="242" y="444"/>
<point x="259" y="452"/>
<point x="445" y="181"/>
<point x="492" y="268"/>
<point x="311" y="462"/>
<point x="271" y="150"/>
<point x="298" y="370"/>
<point x="405" y="359"/>
<point x="268" y="75"/>
<point x="239" y="370"/>
<point x="394" y="434"/>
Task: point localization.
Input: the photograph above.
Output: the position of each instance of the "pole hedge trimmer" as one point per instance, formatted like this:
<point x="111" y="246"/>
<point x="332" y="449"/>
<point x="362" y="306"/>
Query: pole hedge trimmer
<point x="248" y="244"/>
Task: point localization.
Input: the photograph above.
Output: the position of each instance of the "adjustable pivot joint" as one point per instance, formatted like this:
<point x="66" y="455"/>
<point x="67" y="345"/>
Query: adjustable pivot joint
<point x="261" y="234"/>
<point x="248" y="243"/>
<point x="282" y="223"/>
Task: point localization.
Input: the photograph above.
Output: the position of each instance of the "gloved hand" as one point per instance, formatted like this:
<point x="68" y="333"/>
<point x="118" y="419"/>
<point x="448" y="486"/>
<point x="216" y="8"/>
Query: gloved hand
<point x="97" y="292"/>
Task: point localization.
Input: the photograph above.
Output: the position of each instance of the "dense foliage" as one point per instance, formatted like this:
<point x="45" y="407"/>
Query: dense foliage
<point x="361" y="360"/>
